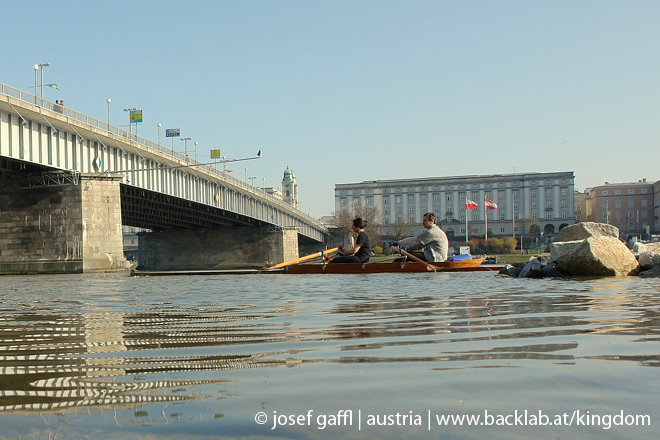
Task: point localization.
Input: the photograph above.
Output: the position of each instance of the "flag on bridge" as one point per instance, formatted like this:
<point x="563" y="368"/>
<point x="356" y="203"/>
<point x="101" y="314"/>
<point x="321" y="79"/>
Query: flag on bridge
<point x="490" y="204"/>
<point x="469" y="204"/>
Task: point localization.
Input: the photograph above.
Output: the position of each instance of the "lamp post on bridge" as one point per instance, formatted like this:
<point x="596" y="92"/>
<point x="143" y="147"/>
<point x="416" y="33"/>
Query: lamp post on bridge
<point x="108" y="101"/>
<point x="252" y="180"/>
<point x="185" y="141"/>
<point x="36" y="68"/>
<point x="36" y="82"/>
<point x="196" y="151"/>
<point x="246" y="176"/>
<point x="158" y="125"/>
<point x="42" y="78"/>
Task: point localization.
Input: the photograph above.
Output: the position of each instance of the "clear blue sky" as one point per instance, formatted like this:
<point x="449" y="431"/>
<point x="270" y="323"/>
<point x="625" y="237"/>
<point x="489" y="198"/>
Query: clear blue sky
<point x="346" y="91"/>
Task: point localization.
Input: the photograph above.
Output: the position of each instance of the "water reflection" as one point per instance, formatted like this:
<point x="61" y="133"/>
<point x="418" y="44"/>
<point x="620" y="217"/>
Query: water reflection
<point x="53" y="361"/>
<point x="113" y="342"/>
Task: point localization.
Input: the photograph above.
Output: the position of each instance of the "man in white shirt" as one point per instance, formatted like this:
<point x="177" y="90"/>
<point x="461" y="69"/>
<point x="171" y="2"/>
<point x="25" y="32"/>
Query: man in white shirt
<point x="430" y="245"/>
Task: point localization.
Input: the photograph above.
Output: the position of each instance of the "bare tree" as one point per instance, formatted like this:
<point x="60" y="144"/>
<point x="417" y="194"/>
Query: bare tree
<point x="398" y="229"/>
<point x="370" y="214"/>
<point x="531" y="230"/>
<point x="342" y="220"/>
<point x="341" y="223"/>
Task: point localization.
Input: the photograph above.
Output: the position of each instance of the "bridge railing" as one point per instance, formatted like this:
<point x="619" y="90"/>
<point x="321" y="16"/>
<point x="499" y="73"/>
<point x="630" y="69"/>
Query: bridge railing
<point x="104" y="126"/>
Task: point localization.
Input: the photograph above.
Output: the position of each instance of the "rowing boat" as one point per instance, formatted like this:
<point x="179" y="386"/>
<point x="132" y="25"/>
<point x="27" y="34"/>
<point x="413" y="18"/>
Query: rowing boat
<point x="302" y="265"/>
<point x="391" y="267"/>
<point x="343" y="268"/>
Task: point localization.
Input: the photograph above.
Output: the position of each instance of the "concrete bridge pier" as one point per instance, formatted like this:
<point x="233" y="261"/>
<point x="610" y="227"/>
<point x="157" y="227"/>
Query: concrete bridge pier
<point x="74" y="228"/>
<point x="235" y="247"/>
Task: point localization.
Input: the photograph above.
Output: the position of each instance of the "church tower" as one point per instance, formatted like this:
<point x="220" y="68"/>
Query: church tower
<point x="290" y="188"/>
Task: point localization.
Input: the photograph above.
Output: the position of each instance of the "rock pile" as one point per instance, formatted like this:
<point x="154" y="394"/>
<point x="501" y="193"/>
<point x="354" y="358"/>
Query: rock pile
<point x="589" y="249"/>
<point x="648" y="255"/>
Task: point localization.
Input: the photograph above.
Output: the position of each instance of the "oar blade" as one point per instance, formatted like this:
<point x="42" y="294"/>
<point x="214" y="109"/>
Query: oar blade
<point x="301" y="259"/>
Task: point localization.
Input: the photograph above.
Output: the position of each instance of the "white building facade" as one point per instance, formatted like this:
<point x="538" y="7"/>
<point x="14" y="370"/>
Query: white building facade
<point x="546" y="199"/>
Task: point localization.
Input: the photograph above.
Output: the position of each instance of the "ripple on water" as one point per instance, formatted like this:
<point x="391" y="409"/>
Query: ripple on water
<point x="99" y="341"/>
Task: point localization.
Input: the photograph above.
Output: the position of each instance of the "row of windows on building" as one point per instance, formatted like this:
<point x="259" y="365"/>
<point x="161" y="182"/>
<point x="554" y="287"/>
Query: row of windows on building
<point x="462" y="208"/>
<point x="436" y="209"/>
<point x="617" y="203"/>
<point x="451" y="187"/>
<point x="630" y="191"/>
<point x="475" y="217"/>
<point x="631" y="214"/>
<point x="462" y="196"/>
<point x="472" y="231"/>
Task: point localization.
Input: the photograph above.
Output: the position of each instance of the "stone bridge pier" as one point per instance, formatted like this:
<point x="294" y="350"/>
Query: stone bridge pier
<point x="77" y="228"/>
<point x="233" y="247"/>
<point x="73" y="228"/>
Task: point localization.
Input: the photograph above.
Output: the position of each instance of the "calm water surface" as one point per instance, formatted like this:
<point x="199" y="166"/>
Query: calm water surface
<point x="324" y="356"/>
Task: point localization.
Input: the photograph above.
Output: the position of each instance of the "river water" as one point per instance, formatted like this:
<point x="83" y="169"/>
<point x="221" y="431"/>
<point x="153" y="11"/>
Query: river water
<point x="375" y="356"/>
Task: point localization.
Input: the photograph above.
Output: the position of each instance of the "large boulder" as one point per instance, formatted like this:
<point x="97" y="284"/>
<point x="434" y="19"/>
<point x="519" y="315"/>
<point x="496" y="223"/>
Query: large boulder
<point x="532" y="269"/>
<point x="510" y="270"/>
<point x="648" y="260"/>
<point x="543" y="258"/>
<point x="551" y="272"/>
<point x="580" y="231"/>
<point x="594" y="256"/>
<point x="639" y="248"/>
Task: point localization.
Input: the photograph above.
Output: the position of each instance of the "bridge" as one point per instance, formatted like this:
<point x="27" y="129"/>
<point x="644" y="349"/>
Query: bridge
<point x="69" y="181"/>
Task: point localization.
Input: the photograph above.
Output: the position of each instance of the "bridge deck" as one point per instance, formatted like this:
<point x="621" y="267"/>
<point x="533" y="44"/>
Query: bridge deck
<point x="160" y="189"/>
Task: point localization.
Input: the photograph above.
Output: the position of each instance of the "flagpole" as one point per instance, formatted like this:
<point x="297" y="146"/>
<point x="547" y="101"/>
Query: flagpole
<point x="513" y="220"/>
<point x="486" y="216"/>
<point x="467" y="214"/>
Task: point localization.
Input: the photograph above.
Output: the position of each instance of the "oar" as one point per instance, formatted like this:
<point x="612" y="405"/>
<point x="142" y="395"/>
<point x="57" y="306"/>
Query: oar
<point x="419" y="260"/>
<point x="298" y="260"/>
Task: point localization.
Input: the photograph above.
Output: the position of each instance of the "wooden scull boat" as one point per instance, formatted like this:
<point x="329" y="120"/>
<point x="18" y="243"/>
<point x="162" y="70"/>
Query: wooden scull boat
<point x="384" y="266"/>
<point x="342" y="268"/>
<point x="391" y="267"/>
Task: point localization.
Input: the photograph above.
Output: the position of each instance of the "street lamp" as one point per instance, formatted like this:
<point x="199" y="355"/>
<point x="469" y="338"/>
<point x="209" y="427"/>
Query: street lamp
<point x="185" y="141"/>
<point x="159" y="125"/>
<point x="36" y="68"/>
<point x="195" y="151"/>
<point x="264" y="187"/>
<point x="246" y="176"/>
<point x="42" y="78"/>
<point x="36" y="82"/>
<point x="108" y="101"/>
<point x="252" y="180"/>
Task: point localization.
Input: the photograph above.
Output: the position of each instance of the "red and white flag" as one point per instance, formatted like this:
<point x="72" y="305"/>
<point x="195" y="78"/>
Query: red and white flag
<point x="469" y="204"/>
<point x="490" y="204"/>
